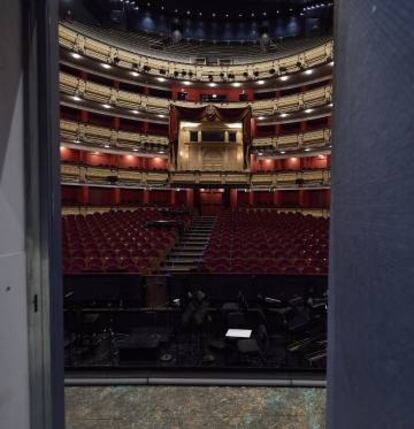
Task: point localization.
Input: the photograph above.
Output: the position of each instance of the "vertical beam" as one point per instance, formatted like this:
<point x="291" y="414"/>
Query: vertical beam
<point x="371" y="301"/>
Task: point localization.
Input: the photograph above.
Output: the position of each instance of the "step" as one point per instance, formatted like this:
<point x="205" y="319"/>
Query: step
<point x="178" y="269"/>
<point x="183" y="261"/>
<point x="188" y="253"/>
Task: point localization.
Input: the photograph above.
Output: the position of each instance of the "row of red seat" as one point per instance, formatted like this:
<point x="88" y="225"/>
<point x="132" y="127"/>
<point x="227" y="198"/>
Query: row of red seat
<point x="117" y="241"/>
<point x="266" y="242"/>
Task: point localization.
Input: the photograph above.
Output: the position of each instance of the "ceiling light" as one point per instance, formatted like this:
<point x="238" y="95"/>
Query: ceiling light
<point x="161" y="151"/>
<point x="135" y="112"/>
<point x="212" y="84"/>
<point x="161" y="116"/>
<point x="283" y="115"/>
<point x="106" y="106"/>
<point x="282" y="152"/>
<point x="76" y="55"/>
<point x="236" y="84"/>
<point x="187" y="83"/>
<point x="77" y="140"/>
<point x="76" y="98"/>
<point x="260" y="82"/>
<point x="284" y="78"/>
<point x="135" y="149"/>
<point x="308" y="110"/>
<point x="107" y="146"/>
<point x="161" y="79"/>
<point x="332" y="63"/>
<point x="261" y="118"/>
<point x="308" y="72"/>
<point x="134" y="73"/>
<point x="105" y="66"/>
<point x="260" y="153"/>
<point x="331" y="105"/>
<point x="307" y="149"/>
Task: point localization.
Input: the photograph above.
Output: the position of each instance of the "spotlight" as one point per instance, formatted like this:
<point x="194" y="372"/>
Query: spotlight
<point x="76" y="98"/>
<point x="308" y="110"/>
<point x="187" y="83"/>
<point x="236" y="84"/>
<point x="283" y="115"/>
<point x="308" y="72"/>
<point x="161" y="116"/>
<point x="161" y="79"/>
<point x="106" y="106"/>
<point x="284" y="78"/>
<point x="76" y="55"/>
<point x="106" y="146"/>
<point x="135" y="112"/>
<point x="260" y="82"/>
<point x="212" y="84"/>
<point x="261" y="118"/>
<point x="282" y="152"/>
<point x="134" y="73"/>
<point x="307" y="149"/>
<point x="105" y="66"/>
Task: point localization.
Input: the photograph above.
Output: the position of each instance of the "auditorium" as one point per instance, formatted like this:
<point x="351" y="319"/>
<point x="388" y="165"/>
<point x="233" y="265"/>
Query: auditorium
<point x="206" y="214"/>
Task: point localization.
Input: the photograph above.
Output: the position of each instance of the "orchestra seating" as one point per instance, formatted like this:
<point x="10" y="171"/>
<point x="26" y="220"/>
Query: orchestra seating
<point x="265" y="242"/>
<point x="118" y="241"/>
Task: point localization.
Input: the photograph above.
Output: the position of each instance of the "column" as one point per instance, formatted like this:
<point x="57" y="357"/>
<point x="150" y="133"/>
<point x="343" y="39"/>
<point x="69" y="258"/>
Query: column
<point x="371" y="294"/>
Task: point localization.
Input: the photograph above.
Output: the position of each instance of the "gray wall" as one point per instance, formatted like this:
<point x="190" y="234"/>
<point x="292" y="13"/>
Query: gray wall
<point x="14" y="366"/>
<point x="371" y="326"/>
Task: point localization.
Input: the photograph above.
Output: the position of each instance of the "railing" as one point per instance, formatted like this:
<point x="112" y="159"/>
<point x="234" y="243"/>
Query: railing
<point x="76" y="41"/>
<point x="94" y="135"/>
<point x="295" y="141"/>
<point x="71" y="173"/>
<point x="88" y="90"/>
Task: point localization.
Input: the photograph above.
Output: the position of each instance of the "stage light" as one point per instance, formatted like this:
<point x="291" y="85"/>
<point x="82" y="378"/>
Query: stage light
<point x="105" y="66"/>
<point x="284" y="115"/>
<point x="308" y="72"/>
<point x="161" y="79"/>
<point x="284" y="78"/>
<point x="76" y="55"/>
<point x="134" y="73"/>
<point x="187" y="83"/>
<point x="212" y="84"/>
<point x="307" y="149"/>
<point x="236" y="84"/>
<point x="161" y="116"/>
<point x="282" y="152"/>
<point x="261" y="118"/>
<point x="260" y="82"/>
<point x="107" y="146"/>
<point x="332" y="63"/>
<point x="106" y="106"/>
<point x="135" y="112"/>
<point x="308" y="110"/>
<point x="214" y="95"/>
<point x="135" y="149"/>
<point x="76" y="98"/>
<point x="331" y="105"/>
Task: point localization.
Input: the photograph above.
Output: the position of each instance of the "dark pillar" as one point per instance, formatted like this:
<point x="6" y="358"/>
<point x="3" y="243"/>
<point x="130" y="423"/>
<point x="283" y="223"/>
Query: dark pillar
<point x="371" y="313"/>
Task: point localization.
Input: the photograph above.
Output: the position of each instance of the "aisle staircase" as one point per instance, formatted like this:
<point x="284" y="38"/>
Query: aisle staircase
<point x="187" y="254"/>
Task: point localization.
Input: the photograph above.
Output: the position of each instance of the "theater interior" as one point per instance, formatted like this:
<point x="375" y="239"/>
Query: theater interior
<point x="179" y="227"/>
